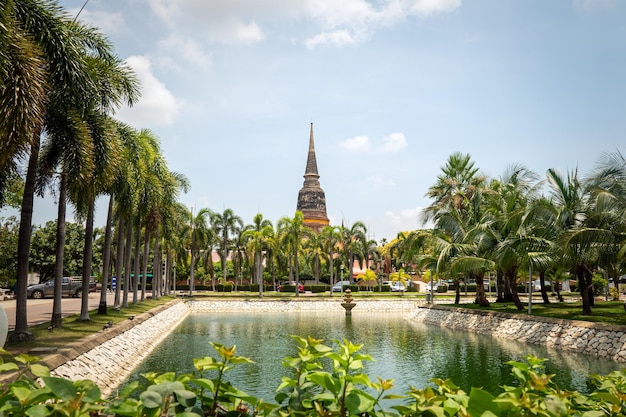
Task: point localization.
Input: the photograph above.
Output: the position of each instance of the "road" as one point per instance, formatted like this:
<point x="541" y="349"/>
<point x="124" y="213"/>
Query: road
<point x="40" y="311"/>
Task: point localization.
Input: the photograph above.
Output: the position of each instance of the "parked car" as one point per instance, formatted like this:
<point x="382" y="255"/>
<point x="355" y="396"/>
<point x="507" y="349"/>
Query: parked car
<point x="292" y="283"/>
<point x="70" y="287"/>
<point x="338" y="287"/>
<point x="435" y="287"/>
<point x="398" y="286"/>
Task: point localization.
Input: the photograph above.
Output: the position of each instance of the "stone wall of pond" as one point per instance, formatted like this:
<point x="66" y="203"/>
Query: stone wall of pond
<point x="578" y="336"/>
<point x="109" y="357"/>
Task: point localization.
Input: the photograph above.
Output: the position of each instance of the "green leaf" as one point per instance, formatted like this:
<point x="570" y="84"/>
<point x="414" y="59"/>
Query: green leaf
<point x="186" y="398"/>
<point x="359" y="403"/>
<point x="130" y="407"/>
<point x="151" y="399"/>
<point x="166" y="388"/>
<point x="21" y="393"/>
<point x="38" y="410"/>
<point x="39" y="370"/>
<point x="481" y="401"/>
<point x="207" y="384"/>
<point x="60" y="387"/>
<point x="326" y="381"/>
<point x="9" y="367"/>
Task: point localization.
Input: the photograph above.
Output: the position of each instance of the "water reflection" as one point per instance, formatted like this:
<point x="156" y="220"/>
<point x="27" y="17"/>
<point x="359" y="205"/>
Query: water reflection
<point x="410" y="353"/>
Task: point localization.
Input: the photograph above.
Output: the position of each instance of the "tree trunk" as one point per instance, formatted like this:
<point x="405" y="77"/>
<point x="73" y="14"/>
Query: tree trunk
<point x="582" y="282"/>
<point x="481" y="297"/>
<point x="106" y="260"/>
<point x="21" y="333"/>
<point x="57" y="308"/>
<point x="511" y="281"/>
<point x="542" y="282"/>
<point x="119" y="260"/>
<point x="136" y="262"/>
<point x="127" y="252"/>
<point x="87" y="256"/>
<point x="156" y="269"/>
<point x="192" y="277"/>
<point x="144" y="265"/>
<point x="501" y="284"/>
<point x="457" y="291"/>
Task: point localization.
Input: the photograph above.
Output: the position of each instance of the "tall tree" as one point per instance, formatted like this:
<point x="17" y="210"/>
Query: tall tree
<point x="331" y="236"/>
<point x="63" y="49"/>
<point x="200" y="237"/>
<point x="258" y="237"/>
<point x="353" y="239"/>
<point x="225" y="225"/>
<point x="292" y="231"/>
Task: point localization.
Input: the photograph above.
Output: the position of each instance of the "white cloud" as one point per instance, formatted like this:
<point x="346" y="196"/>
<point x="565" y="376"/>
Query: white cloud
<point x="336" y="38"/>
<point x="336" y="23"/>
<point x="183" y="49"/>
<point x="404" y="219"/>
<point x="107" y="22"/>
<point x="394" y="143"/>
<point x="157" y="105"/>
<point x="357" y="144"/>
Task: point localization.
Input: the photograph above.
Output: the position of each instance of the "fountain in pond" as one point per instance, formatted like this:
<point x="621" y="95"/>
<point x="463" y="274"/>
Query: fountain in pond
<point x="347" y="302"/>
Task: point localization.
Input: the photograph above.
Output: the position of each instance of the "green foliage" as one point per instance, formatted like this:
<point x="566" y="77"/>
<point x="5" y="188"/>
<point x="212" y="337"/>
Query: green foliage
<point x="43" y="250"/>
<point x="9" y="230"/>
<point x="325" y="381"/>
<point x="599" y="284"/>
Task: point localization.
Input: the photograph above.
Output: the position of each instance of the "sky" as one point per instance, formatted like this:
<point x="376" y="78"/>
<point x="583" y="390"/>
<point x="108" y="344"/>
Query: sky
<point x="392" y="87"/>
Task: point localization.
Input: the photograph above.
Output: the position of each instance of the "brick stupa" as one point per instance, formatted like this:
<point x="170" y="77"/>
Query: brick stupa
<point x="311" y="198"/>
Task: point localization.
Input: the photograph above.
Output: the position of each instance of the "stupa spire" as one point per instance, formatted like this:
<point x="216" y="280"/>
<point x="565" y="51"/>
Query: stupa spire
<point x="311" y="198"/>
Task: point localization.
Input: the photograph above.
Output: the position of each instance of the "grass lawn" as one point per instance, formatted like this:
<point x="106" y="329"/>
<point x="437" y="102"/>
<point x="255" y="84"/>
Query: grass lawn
<point x="73" y="329"/>
<point x="608" y="312"/>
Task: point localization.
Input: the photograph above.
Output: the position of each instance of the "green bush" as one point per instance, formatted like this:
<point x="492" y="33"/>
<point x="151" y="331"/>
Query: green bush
<point x="314" y="389"/>
<point x="317" y="288"/>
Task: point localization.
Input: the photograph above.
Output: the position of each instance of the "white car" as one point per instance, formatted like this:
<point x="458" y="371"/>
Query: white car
<point x="398" y="286"/>
<point x="338" y="287"/>
<point x="435" y="287"/>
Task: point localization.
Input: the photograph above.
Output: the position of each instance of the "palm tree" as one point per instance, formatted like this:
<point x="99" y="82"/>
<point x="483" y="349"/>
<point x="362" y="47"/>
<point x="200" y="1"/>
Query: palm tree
<point x="224" y="225"/>
<point x="571" y="202"/>
<point x="292" y="232"/>
<point x="200" y="236"/>
<point x="62" y="49"/>
<point x="258" y="237"/>
<point x="331" y="235"/>
<point x="353" y="239"/>
<point x="314" y="248"/>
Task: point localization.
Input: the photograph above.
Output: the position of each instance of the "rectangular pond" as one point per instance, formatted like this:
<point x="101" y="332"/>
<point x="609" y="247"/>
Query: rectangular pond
<point x="409" y="352"/>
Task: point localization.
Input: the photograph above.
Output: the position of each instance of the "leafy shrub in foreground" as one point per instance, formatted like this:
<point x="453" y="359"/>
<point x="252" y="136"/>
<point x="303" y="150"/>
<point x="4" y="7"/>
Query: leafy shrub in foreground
<point x="311" y="391"/>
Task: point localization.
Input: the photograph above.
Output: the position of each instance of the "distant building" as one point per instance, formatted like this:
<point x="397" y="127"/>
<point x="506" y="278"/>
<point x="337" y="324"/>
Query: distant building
<point x="311" y="198"/>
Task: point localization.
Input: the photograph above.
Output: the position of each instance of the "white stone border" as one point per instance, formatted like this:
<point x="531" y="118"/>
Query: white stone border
<point x="115" y="355"/>
<point x="577" y="336"/>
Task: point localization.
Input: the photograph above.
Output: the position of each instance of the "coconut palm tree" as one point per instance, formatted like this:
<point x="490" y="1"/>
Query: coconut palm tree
<point x="331" y="236"/>
<point x="353" y="239"/>
<point x="570" y="200"/>
<point x="225" y="225"/>
<point x="63" y="50"/>
<point x="199" y="239"/>
<point x="258" y="238"/>
<point x="314" y="249"/>
<point x="292" y="232"/>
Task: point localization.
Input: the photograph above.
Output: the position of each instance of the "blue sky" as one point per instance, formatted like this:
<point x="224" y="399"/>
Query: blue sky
<point x="393" y="87"/>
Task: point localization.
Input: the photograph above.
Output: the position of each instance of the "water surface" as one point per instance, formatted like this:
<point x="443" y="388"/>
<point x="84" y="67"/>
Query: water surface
<point x="410" y="353"/>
